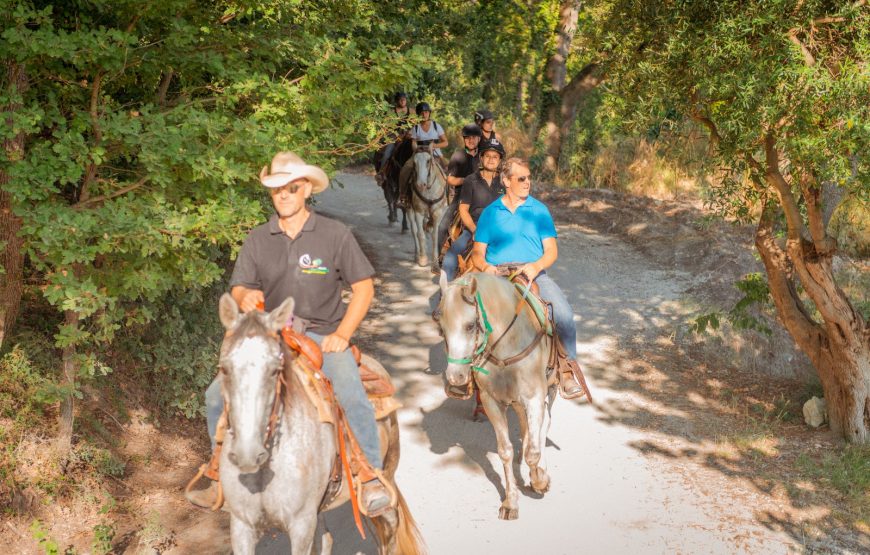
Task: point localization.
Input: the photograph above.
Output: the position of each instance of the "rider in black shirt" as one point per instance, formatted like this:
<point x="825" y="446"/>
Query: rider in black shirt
<point x="479" y="191"/>
<point x="486" y="120"/>
<point x="463" y="163"/>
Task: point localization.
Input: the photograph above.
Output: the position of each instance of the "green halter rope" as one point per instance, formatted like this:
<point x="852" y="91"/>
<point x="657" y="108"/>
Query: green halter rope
<point x="488" y="329"/>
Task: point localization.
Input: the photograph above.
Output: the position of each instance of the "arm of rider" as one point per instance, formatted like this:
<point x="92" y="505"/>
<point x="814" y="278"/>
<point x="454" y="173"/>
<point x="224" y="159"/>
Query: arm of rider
<point x="465" y="216"/>
<point x="362" y="293"/>
<point x="454" y="181"/>
<point x="442" y="142"/>
<point x="478" y="256"/>
<point x="247" y="299"/>
<point x="551" y="253"/>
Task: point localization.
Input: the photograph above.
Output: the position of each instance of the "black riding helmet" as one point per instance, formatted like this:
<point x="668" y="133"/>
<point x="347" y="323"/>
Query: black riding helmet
<point x="472" y="130"/>
<point x="422" y="107"/>
<point x="482" y="115"/>
<point x="495" y="145"/>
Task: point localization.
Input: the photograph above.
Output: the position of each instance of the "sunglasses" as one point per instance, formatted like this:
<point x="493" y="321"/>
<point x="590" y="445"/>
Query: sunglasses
<point x="291" y="188"/>
<point x="524" y="178"/>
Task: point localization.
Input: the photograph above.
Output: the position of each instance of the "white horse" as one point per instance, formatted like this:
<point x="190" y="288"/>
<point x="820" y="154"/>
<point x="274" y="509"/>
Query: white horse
<point x="428" y="204"/>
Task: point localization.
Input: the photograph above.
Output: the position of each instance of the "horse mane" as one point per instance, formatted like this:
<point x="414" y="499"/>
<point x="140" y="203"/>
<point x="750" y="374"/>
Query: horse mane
<point x="252" y="325"/>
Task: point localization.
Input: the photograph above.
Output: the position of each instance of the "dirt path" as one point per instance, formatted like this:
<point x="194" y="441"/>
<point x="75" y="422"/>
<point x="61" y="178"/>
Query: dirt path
<point x="623" y="480"/>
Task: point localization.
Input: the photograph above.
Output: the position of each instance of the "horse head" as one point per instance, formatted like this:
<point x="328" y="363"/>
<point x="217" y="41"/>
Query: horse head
<point x="462" y="327"/>
<point x="252" y="360"/>
<point x="422" y="162"/>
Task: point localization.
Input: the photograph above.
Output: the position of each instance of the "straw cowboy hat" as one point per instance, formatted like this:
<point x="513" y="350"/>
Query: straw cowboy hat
<point x="287" y="167"/>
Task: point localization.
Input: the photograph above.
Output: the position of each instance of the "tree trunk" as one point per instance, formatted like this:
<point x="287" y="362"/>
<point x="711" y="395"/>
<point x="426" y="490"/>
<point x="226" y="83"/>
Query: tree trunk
<point x="12" y="258"/>
<point x="560" y="116"/>
<point x="70" y="372"/>
<point x="838" y="345"/>
<point x="562" y="106"/>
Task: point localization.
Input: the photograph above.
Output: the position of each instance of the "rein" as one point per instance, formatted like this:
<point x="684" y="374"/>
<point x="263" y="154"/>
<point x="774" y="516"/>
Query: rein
<point x="485" y="351"/>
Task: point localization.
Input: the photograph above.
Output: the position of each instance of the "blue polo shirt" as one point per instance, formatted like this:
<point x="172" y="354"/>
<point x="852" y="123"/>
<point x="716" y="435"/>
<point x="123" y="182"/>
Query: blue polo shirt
<point x="514" y="237"/>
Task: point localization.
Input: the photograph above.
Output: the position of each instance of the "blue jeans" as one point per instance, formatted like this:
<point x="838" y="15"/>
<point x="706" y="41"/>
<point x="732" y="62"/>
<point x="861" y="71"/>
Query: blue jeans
<point x="450" y="265"/>
<point x="341" y="369"/>
<point x="563" y="315"/>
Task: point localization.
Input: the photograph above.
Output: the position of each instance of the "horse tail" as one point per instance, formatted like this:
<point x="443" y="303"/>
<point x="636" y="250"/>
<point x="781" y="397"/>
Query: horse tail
<point x="409" y="540"/>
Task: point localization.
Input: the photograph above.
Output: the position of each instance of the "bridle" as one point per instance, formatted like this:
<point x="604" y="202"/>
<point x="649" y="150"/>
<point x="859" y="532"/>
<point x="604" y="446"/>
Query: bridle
<point x="483" y="351"/>
<point x="278" y="398"/>
<point x="433" y="167"/>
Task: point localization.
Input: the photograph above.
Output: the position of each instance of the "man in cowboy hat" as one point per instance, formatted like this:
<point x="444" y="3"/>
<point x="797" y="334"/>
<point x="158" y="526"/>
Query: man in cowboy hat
<point x="301" y="253"/>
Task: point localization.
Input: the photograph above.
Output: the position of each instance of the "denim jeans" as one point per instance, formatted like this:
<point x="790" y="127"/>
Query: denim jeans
<point x="451" y="257"/>
<point x="341" y="369"/>
<point x="563" y="315"/>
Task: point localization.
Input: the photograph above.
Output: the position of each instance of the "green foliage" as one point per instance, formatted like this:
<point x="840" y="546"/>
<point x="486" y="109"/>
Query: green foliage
<point x="100" y="460"/>
<point x="846" y="470"/>
<point x="756" y="294"/>
<point x="48" y="544"/>
<point x="103" y="536"/>
<point x="175" y="356"/>
<point x="145" y="126"/>
<point x="27" y="385"/>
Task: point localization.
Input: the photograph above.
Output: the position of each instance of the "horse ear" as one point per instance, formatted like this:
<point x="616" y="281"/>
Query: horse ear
<point x="281" y="316"/>
<point x="442" y="282"/>
<point x="471" y="288"/>
<point x="228" y="311"/>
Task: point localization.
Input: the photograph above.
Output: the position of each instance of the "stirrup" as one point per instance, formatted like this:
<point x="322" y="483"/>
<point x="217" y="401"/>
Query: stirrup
<point x="391" y="492"/>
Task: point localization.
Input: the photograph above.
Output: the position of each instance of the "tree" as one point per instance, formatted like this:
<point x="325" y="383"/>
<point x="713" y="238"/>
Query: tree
<point x="133" y="133"/>
<point x="783" y="89"/>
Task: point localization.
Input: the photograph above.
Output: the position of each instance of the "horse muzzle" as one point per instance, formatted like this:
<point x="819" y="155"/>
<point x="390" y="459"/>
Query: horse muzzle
<point x="458" y="374"/>
<point x="249" y="460"/>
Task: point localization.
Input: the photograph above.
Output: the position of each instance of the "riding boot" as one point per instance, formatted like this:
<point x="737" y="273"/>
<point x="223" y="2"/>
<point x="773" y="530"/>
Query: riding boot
<point x="569" y="384"/>
<point x="205" y="498"/>
<point x="375" y="498"/>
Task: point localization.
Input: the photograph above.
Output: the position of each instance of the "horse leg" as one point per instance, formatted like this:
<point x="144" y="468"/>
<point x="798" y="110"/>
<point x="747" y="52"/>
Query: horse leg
<point x="538" y="423"/>
<point x="419" y="242"/>
<point x="323" y="545"/>
<point x="301" y="529"/>
<point x="242" y="537"/>
<point x="404" y="221"/>
<point x="497" y="414"/>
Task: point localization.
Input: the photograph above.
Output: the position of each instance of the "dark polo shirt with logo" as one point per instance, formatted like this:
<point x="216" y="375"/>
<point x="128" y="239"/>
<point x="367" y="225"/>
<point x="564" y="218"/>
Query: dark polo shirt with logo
<point x="312" y="268"/>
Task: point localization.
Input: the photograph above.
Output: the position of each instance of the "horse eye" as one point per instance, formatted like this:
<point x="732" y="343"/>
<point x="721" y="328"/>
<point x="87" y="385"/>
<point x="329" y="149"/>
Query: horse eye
<point x="469" y="327"/>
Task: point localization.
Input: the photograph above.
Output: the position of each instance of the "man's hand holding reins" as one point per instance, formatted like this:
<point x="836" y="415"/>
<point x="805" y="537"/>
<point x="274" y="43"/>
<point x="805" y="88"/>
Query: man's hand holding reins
<point x="248" y="299"/>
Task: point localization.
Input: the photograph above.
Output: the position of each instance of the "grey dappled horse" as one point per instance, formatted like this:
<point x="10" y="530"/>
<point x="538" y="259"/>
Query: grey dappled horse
<point x="428" y="203"/>
<point x="470" y="307"/>
<point x="279" y="478"/>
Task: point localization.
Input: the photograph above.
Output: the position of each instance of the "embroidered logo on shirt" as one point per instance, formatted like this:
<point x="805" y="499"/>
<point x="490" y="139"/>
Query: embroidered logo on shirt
<point x="312" y="266"/>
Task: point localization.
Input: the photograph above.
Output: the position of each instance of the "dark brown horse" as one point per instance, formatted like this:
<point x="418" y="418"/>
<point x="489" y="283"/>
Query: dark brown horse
<point x="401" y="153"/>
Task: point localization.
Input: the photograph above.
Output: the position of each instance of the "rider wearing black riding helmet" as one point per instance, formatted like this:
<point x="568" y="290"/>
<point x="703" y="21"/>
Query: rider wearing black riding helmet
<point x="426" y="134"/>
<point x="486" y="120"/>
<point x="479" y="191"/>
<point x="463" y="163"/>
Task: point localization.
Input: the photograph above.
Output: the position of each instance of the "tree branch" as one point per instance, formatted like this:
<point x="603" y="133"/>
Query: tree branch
<point x="808" y="56"/>
<point x="91" y="170"/>
<point x="777" y="181"/>
<point x="122" y="191"/>
<point x="824" y="243"/>
<point x="791" y="310"/>
<point x="163" y="88"/>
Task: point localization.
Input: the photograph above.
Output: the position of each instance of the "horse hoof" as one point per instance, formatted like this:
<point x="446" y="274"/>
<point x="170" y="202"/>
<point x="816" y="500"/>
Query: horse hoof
<point x="422" y="262"/>
<point x="506" y="513"/>
<point x="541" y="487"/>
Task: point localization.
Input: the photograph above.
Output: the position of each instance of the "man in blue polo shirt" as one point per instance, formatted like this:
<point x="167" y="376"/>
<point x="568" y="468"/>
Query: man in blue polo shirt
<point x="518" y="230"/>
